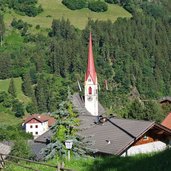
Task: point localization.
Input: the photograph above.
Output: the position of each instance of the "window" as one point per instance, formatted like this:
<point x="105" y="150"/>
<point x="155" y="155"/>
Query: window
<point x="36" y="126"/>
<point x="89" y="90"/>
<point x="89" y="80"/>
<point x="145" y="137"/>
<point x="36" y="133"/>
<point x="31" y="126"/>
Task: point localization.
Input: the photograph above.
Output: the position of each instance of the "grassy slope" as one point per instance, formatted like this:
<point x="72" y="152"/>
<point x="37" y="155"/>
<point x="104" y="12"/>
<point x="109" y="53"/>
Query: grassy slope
<point x="4" y="84"/>
<point x="57" y="10"/>
<point x="12" y="41"/>
<point x="9" y="119"/>
<point x="149" y="162"/>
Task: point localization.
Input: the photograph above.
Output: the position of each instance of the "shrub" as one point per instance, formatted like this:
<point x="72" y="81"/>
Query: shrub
<point x="25" y="7"/>
<point x="18" y="108"/>
<point x="37" y="27"/>
<point x="75" y="4"/>
<point x="111" y="1"/>
<point x="97" y="6"/>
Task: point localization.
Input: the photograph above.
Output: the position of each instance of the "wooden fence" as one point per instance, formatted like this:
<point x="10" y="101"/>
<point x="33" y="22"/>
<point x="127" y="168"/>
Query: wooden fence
<point x="4" y="158"/>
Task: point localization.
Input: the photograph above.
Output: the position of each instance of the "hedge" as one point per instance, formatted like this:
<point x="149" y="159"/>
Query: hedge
<point x="97" y="6"/>
<point x="75" y="4"/>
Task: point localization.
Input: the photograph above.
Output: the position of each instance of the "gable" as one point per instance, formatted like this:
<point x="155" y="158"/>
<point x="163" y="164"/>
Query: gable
<point x="33" y="120"/>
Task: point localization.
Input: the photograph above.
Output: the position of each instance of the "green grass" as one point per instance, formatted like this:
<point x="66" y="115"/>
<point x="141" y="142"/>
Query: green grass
<point x="54" y="9"/>
<point x="9" y="119"/>
<point x="12" y="41"/>
<point x="148" y="162"/>
<point x="4" y="84"/>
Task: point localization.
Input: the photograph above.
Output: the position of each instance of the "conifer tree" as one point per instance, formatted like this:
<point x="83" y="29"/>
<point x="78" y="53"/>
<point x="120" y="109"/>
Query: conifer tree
<point x="12" y="89"/>
<point x="27" y="86"/>
<point x="18" y="108"/>
<point x="2" y="29"/>
<point x="40" y="94"/>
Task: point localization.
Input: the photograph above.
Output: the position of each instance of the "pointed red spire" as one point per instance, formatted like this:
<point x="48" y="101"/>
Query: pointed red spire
<point x="91" y="71"/>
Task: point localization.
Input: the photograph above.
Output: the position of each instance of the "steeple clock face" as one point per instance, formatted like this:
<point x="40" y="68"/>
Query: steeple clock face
<point x="89" y="98"/>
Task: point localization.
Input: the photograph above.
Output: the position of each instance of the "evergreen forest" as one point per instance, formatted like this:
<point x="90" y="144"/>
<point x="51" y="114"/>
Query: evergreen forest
<point x="133" y="55"/>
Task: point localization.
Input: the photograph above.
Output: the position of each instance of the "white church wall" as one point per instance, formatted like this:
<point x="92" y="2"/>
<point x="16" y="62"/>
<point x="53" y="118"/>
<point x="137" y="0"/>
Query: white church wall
<point x="145" y="148"/>
<point x="91" y="100"/>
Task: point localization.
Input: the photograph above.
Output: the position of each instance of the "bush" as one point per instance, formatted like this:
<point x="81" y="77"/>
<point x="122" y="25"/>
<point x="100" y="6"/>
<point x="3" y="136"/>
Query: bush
<point x="97" y="6"/>
<point x="25" y="7"/>
<point x="21" y="149"/>
<point x="75" y="4"/>
<point x="18" y="108"/>
<point x="37" y="27"/>
<point x="111" y="1"/>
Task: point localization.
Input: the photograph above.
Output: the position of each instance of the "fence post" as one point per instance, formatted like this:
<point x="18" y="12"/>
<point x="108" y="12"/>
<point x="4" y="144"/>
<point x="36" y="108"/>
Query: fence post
<point x="63" y="165"/>
<point x="59" y="167"/>
<point x="2" y="162"/>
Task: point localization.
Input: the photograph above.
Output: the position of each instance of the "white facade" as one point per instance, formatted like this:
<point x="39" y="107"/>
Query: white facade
<point x="145" y="148"/>
<point x="36" y="128"/>
<point x="91" y="96"/>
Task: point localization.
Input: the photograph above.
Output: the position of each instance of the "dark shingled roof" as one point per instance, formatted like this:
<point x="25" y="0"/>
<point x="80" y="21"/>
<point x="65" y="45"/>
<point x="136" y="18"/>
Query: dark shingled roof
<point x="115" y="135"/>
<point x="163" y="99"/>
<point x="45" y="137"/>
<point x="37" y="145"/>
<point x="5" y="149"/>
<point x="37" y="149"/>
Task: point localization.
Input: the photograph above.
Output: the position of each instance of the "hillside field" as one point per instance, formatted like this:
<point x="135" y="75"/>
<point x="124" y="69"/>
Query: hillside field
<point x="4" y="84"/>
<point x="54" y="9"/>
<point x="9" y="119"/>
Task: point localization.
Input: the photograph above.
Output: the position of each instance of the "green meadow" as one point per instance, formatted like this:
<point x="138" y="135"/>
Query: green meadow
<point x="54" y="9"/>
<point x="4" y="85"/>
<point x="6" y="118"/>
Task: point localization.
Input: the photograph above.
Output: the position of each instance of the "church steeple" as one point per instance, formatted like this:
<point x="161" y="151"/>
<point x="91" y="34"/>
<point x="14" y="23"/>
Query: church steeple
<point x="91" y="71"/>
<point x="91" y="88"/>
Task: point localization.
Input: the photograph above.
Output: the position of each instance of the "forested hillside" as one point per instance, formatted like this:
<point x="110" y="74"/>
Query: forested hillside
<point x="131" y="54"/>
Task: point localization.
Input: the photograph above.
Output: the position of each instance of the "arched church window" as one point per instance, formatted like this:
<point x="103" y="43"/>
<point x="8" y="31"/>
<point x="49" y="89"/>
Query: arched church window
<point x="89" y="90"/>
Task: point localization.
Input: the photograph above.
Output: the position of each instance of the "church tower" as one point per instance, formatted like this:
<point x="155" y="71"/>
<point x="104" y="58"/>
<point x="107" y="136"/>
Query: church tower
<point x="91" y="88"/>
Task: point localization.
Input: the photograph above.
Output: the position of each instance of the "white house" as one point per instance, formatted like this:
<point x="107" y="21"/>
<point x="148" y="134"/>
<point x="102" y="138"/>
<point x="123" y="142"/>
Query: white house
<point x="38" y="124"/>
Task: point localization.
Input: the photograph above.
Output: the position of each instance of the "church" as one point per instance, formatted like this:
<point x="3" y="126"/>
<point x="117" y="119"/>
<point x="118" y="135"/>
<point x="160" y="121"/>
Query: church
<point x="91" y="87"/>
<point x="110" y="135"/>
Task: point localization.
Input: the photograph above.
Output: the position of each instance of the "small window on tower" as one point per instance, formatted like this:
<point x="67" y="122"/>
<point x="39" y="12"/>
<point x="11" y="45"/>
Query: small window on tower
<point x="89" y="80"/>
<point x="89" y="90"/>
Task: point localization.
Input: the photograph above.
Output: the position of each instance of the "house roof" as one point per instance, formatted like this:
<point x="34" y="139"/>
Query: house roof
<point x="163" y="99"/>
<point x="37" y="149"/>
<point x="4" y="149"/>
<point x="91" y="71"/>
<point x="116" y="135"/>
<point x="121" y="133"/>
<point x="41" y="118"/>
<point x="167" y="121"/>
<point x="45" y="137"/>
